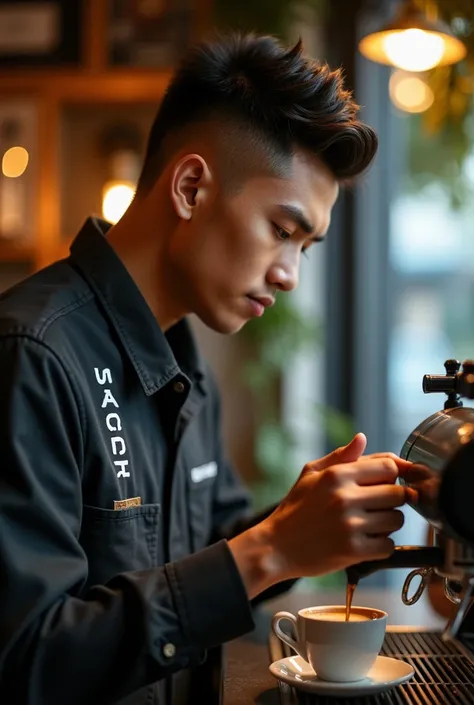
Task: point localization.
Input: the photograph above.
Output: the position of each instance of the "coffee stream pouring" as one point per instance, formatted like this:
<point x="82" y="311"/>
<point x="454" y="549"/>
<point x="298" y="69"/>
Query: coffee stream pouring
<point x="441" y="449"/>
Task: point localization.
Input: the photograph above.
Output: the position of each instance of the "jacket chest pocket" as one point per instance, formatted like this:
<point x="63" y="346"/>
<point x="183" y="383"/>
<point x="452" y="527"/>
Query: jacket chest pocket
<point x="200" y="512"/>
<point x="119" y="541"/>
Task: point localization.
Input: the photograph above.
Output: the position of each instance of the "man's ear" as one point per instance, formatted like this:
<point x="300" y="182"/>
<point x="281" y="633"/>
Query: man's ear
<point x="190" y="181"/>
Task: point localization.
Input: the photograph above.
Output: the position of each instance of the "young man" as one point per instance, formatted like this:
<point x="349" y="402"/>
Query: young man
<point x="127" y="545"/>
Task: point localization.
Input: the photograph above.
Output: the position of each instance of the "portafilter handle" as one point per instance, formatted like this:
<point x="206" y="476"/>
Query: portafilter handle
<point x="402" y="557"/>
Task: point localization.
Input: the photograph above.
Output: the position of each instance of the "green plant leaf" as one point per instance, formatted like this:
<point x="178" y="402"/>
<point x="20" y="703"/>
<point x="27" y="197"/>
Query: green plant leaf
<point x="339" y="427"/>
<point x="256" y="376"/>
<point x="273" y="448"/>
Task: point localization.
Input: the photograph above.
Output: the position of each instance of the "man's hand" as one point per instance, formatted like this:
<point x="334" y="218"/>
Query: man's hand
<point x="340" y="511"/>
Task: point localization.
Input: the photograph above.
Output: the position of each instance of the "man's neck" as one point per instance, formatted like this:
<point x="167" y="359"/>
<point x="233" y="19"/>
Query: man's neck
<point x="144" y="257"/>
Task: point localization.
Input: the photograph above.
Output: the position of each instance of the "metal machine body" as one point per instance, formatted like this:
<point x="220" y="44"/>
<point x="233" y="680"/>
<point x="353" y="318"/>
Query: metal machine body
<point x="441" y="449"/>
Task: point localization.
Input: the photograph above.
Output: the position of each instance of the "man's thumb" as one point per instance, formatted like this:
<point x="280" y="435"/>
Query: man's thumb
<point x="345" y="454"/>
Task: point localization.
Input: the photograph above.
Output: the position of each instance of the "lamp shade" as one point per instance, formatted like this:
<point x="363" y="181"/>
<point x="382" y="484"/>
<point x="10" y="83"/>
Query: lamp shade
<point x="413" y="42"/>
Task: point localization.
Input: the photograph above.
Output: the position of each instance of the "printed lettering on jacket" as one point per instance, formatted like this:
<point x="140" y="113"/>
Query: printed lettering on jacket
<point x="113" y="422"/>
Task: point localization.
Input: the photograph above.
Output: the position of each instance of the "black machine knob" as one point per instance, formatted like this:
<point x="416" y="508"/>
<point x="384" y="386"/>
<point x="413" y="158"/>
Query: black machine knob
<point x="452" y="367"/>
<point x="447" y="384"/>
<point x="433" y="384"/>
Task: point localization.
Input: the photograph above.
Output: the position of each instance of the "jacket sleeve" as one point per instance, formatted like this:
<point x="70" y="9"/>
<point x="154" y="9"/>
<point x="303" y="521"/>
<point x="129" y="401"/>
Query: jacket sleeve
<point x="58" y="643"/>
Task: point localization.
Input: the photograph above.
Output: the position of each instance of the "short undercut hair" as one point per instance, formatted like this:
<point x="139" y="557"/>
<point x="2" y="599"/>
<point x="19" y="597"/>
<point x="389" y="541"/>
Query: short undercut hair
<point x="274" y="99"/>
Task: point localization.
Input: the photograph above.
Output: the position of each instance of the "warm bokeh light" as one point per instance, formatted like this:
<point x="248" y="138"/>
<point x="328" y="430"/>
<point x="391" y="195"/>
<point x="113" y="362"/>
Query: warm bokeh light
<point x="410" y="93"/>
<point x="414" y="49"/>
<point x="116" y="198"/>
<point x="14" y="162"/>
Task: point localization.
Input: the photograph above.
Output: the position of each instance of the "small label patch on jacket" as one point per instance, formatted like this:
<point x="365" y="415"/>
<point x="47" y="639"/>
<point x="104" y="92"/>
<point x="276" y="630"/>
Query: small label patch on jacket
<point x="204" y="472"/>
<point x="127" y="503"/>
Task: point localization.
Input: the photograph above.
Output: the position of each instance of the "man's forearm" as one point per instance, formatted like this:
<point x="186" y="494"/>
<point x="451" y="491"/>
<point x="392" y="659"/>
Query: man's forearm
<point x="256" y="560"/>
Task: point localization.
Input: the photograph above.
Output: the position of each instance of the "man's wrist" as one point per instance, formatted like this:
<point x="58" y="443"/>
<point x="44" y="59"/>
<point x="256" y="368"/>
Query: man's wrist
<point x="256" y="559"/>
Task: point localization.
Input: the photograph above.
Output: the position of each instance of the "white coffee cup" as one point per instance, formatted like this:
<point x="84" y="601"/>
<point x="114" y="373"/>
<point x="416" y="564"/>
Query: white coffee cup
<point x="336" y="650"/>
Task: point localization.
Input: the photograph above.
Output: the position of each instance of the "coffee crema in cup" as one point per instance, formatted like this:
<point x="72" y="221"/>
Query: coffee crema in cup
<point x="338" y="614"/>
<point x="340" y="617"/>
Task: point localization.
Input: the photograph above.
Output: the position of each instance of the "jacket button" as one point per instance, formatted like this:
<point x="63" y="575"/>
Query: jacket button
<point x="178" y="387"/>
<point x="169" y="650"/>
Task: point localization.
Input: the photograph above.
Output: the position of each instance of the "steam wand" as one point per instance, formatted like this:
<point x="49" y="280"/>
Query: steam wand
<point x="464" y="605"/>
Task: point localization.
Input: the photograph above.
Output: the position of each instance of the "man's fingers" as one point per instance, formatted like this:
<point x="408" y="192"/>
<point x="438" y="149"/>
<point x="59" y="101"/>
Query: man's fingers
<point x="353" y="453"/>
<point x="400" y="462"/>
<point x="376" y="497"/>
<point x="345" y="454"/>
<point x="411" y="495"/>
<point x="374" y="471"/>
<point x="383" y="522"/>
<point x="377" y="548"/>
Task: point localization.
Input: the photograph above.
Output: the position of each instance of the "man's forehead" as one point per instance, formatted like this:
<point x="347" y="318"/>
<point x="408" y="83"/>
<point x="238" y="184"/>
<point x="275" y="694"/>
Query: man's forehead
<point x="309" y="169"/>
<point x="310" y="181"/>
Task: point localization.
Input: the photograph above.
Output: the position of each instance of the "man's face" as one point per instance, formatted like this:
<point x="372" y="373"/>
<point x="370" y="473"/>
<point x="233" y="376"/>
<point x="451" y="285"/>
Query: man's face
<point x="239" y="249"/>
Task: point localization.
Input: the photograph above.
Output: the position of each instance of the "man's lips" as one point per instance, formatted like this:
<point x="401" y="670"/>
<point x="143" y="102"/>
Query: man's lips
<point x="260" y="303"/>
<point x="264" y="300"/>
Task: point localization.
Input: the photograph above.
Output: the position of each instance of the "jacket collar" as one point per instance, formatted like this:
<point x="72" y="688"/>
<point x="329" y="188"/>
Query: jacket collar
<point x="157" y="357"/>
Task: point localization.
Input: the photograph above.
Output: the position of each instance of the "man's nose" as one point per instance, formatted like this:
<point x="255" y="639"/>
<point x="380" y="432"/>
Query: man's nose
<point x="283" y="277"/>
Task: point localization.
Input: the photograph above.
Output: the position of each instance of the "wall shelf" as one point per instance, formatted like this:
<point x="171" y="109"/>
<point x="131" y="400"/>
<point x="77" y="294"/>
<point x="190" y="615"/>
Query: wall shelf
<point x="69" y="102"/>
<point x="116" y="85"/>
<point x="9" y="252"/>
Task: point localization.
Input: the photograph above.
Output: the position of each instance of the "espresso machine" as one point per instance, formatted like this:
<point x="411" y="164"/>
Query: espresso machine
<point x="441" y="449"/>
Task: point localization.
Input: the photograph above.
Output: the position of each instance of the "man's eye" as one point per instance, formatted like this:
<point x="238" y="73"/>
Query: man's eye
<point x="282" y="234"/>
<point x="304" y="251"/>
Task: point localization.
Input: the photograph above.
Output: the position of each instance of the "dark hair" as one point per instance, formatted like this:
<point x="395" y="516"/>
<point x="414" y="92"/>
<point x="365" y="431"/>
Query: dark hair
<point x="283" y="98"/>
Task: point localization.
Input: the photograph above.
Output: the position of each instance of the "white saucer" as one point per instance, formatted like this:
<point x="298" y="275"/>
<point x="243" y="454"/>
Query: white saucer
<point x="386" y="673"/>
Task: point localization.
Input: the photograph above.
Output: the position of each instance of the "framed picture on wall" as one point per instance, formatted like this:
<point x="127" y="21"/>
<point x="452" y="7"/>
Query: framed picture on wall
<point x="149" y="33"/>
<point x="35" y="33"/>
<point x="18" y="162"/>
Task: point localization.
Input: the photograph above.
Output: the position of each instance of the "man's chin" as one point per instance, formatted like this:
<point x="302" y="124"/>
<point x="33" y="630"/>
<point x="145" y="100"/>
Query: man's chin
<point x="225" y="325"/>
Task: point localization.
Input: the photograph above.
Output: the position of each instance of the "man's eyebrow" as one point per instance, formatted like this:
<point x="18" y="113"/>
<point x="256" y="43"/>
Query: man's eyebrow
<point x="297" y="216"/>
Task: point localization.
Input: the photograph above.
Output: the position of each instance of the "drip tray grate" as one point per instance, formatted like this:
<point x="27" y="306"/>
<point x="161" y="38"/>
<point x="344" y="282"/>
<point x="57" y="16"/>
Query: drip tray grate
<point x="444" y="674"/>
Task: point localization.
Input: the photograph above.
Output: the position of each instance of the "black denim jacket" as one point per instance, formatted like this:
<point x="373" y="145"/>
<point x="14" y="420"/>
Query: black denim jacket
<point x="116" y="499"/>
